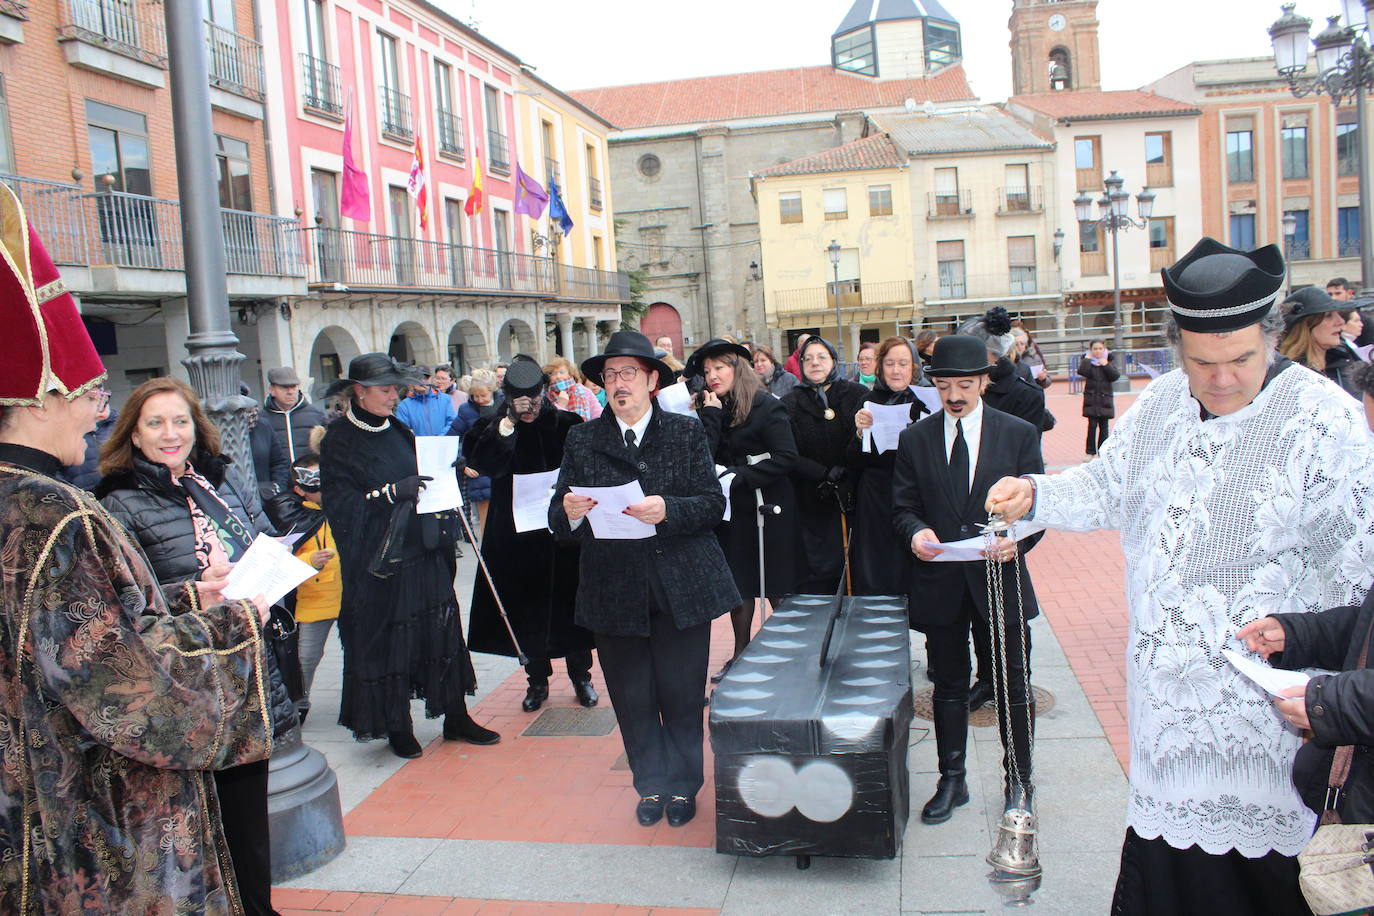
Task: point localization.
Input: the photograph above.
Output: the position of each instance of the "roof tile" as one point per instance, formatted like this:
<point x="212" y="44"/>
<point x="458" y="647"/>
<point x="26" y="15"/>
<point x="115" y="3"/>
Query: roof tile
<point x="1092" y="103"/>
<point x="873" y="152"/>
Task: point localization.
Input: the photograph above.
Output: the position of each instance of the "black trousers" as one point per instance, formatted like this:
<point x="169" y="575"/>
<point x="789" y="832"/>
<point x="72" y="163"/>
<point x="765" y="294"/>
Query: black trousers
<point x="656" y="685"/>
<point x="1158" y="880"/>
<point x="947" y="654"/>
<point x="242" y="792"/>
<point x="1097" y="433"/>
<point x="539" y="670"/>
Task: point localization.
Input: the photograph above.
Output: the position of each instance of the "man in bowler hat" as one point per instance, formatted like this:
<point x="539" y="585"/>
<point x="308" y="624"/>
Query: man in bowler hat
<point x="649" y="602"/>
<point x="945" y="464"/>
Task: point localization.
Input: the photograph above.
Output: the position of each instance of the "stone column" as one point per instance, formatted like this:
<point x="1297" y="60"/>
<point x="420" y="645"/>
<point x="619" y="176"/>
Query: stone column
<point x="176" y="328"/>
<point x="565" y="334"/>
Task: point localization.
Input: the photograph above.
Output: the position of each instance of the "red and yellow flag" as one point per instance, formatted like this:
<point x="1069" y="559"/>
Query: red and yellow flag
<point x="476" y="197"/>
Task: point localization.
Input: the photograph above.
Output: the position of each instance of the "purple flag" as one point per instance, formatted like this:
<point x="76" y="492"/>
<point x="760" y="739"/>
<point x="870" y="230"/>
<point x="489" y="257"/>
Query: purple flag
<point x="530" y="196"/>
<point x="354" y="200"/>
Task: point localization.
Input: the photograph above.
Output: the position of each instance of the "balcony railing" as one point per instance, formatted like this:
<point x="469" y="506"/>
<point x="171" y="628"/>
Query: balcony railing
<point x="19" y="9"/>
<point x="115" y="229"/>
<point x="594" y="193"/>
<point x="854" y="294"/>
<point x="235" y="62"/>
<point x="950" y="203"/>
<point x="394" y="113"/>
<point x="364" y="260"/>
<point x="1013" y="283"/>
<point x="498" y="155"/>
<point x="450" y="130"/>
<point x="130" y="27"/>
<point x="320" y="83"/>
<point x="1349" y="248"/>
<point x="1297" y="249"/>
<point x="1019" y="200"/>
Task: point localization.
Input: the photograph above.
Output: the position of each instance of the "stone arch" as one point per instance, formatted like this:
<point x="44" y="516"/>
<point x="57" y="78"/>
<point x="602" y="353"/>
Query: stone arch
<point x="661" y="319"/>
<point x="1061" y="68"/>
<point x="411" y="343"/>
<point x="330" y="354"/>
<point x="467" y="348"/>
<point x="515" y="336"/>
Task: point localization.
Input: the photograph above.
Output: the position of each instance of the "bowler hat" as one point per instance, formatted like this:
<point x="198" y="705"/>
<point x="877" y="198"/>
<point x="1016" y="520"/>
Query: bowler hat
<point x="714" y="349"/>
<point x="626" y="343"/>
<point x="1310" y="301"/>
<point x="958" y="356"/>
<point x="524" y="378"/>
<point x="373" y="369"/>
<point x="1215" y="289"/>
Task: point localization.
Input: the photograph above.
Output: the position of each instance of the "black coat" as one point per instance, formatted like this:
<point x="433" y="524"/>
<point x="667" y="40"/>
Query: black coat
<point x="923" y="497"/>
<point x="880" y="560"/>
<point x="270" y="464"/>
<point x="1339" y="706"/>
<point x="1010" y="392"/>
<point x="684" y="560"/>
<point x="823" y="445"/>
<point x="292" y="427"/>
<point x="1098" y="399"/>
<point x="768" y="430"/>
<point x="86" y="475"/>
<point x="1341" y="364"/>
<point x="535" y="574"/>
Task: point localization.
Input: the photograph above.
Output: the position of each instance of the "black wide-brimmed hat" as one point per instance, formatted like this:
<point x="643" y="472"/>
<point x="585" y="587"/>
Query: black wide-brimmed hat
<point x="714" y="348"/>
<point x="525" y="378"/>
<point x="1310" y="300"/>
<point x="1215" y="289"/>
<point x="373" y="369"/>
<point x="626" y="343"/>
<point x="958" y="356"/>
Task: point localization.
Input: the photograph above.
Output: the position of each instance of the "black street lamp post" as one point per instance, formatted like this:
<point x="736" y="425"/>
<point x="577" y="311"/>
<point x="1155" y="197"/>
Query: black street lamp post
<point x="833" y="249"/>
<point x="1113" y="215"/>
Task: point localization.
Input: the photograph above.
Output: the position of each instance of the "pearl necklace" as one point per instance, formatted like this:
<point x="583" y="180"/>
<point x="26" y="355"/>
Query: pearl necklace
<point x="386" y="424"/>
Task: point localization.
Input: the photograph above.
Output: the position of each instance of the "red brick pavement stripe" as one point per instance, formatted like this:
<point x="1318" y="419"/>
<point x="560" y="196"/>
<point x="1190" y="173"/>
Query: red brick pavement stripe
<point x="297" y="902"/>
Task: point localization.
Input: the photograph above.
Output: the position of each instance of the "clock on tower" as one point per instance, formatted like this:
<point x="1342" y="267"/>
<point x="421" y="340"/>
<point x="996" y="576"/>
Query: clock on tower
<point x="1054" y="45"/>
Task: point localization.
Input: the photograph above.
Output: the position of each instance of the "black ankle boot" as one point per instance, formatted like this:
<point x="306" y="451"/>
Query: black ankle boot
<point x="403" y="744"/>
<point x="458" y="726"/>
<point x="951" y="742"/>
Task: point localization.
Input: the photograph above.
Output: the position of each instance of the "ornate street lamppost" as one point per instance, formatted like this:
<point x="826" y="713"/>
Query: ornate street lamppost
<point x="833" y="249"/>
<point x="1345" y="71"/>
<point x="1113" y="215"/>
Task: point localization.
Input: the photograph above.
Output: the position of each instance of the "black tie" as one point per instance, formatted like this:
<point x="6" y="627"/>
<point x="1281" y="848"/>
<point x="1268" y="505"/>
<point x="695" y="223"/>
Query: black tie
<point x="631" y="446"/>
<point x="958" y="460"/>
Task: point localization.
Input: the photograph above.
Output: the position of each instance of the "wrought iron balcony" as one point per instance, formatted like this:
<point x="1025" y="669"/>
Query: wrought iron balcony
<point x="1349" y="248"/>
<point x="854" y="294"/>
<point x="1019" y="200"/>
<point x="394" y="112"/>
<point x="950" y="204"/>
<point x="235" y="62"/>
<point x="320" y="85"/>
<point x="450" y="131"/>
<point x="19" y="9"/>
<point x="1297" y="249"/>
<point x="498" y="153"/>
<point x="951" y="282"/>
<point x="133" y="28"/>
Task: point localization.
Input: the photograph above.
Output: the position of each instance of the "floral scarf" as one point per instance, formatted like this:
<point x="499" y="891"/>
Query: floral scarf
<point x="220" y="534"/>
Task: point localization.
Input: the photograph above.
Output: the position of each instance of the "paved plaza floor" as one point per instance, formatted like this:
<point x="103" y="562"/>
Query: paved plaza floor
<point x="540" y="824"/>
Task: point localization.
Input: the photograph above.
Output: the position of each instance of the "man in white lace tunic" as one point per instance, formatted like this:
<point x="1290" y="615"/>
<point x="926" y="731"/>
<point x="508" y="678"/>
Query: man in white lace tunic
<point x="1241" y="485"/>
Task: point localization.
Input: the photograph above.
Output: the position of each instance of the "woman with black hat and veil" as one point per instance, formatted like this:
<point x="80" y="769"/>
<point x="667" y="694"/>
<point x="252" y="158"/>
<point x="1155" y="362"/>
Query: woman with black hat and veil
<point x="750" y="435"/>
<point x="822" y="408"/>
<point x="398" y="619"/>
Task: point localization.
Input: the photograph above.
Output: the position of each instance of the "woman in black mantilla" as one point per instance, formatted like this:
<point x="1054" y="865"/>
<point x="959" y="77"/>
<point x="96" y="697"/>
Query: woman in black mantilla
<point x="751" y="437"/>
<point x="822" y="409"/>
<point x="535" y="575"/>
<point x="878" y="557"/>
<point x="398" y="620"/>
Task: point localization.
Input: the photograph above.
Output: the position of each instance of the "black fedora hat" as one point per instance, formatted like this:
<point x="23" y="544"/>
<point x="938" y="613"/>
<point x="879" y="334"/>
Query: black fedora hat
<point x="373" y="369"/>
<point x="627" y="343"/>
<point x="958" y="356"/>
<point x="1215" y="289"/>
<point x="715" y="347"/>
<point x="1310" y="300"/>
<point x="525" y="378"/>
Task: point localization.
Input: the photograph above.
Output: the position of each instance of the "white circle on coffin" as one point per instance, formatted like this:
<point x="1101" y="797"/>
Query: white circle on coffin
<point x="824" y="792"/>
<point x="768" y="785"/>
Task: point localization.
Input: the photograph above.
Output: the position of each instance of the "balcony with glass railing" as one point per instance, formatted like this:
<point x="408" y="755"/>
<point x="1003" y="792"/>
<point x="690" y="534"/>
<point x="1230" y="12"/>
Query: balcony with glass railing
<point x="320" y="92"/>
<point x="394" y="112"/>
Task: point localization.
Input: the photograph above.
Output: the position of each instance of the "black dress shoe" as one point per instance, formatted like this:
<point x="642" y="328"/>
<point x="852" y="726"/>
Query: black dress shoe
<point x="950" y="792"/>
<point x="980" y="695"/>
<point x="680" y="810"/>
<point x="586" y="693"/>
<point x="535" y="695"/>
<point x="403" y="744"/>
<point x="724" y="670"/>
<point x="464" y="729"/>
<point x="649" y="811"/>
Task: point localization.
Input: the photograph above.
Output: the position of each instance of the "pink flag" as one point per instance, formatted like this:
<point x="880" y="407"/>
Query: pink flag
<point x="354" y="200"/>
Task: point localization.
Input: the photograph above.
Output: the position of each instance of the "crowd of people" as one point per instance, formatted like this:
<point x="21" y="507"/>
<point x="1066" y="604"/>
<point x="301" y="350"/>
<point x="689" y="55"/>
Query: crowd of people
<point x="1241" y="485"/>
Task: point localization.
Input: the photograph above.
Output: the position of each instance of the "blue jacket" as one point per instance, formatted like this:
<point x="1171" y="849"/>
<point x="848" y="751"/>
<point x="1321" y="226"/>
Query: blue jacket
<point x="87" y="474"/>
<point x="476" y="489"/>
<point x="428" y="414"/>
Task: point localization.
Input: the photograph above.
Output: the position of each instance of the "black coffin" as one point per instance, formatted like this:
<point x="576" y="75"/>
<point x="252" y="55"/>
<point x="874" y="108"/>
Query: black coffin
<point x="811" y="760"/>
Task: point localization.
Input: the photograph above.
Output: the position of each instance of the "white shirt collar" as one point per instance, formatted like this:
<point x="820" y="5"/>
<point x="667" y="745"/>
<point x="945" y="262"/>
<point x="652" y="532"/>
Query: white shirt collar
<point x="639" y="427"/>
<point x="974" y="418"/>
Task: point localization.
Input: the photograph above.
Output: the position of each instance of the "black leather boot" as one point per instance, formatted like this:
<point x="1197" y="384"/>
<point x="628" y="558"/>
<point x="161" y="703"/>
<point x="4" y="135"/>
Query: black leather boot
<point x="951" y="743"/>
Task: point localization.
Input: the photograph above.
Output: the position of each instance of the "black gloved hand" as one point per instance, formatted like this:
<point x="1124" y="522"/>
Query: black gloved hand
<point x="835" y="474"/>
<point x="408" y="488"/>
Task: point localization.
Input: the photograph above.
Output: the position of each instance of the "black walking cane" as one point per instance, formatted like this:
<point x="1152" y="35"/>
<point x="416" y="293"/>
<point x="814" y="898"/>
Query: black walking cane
<point x="491" y="583"/>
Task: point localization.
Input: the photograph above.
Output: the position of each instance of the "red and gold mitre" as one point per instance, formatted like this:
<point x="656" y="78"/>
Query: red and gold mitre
<point x="44" y="345"/>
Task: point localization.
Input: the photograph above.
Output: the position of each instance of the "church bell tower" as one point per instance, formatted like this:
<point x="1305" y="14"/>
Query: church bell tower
<point x="1054" y="46"/>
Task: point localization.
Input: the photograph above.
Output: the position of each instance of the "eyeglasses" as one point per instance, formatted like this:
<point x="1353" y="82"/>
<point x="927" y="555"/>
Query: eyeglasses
<point x="624" y="373"/>
<point x="101" y="397"/>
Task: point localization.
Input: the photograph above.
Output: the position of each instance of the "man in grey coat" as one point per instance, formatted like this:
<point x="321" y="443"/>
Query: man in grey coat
<point x="649" y="601"/>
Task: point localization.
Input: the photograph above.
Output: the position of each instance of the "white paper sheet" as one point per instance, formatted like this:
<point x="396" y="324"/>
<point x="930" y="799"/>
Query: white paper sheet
<point x="676" y="399"/>
<point x="725" y="483"/>
<point x="290" y="538"/>
<point x="435" y="456"/>
<point x="608" y="517"/>
<point x="929" y="397"/>
<point x="972" y="548"/>
<point x="267" y="568"/>
<point x="1037" y="370"/>
<point x="530" y="500"/>
<point x="888" y="422"/>
<point x="1271" y="680"/>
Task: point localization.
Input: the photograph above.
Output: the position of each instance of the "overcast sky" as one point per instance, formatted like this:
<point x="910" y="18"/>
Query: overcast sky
<point x="579" y="44"/>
